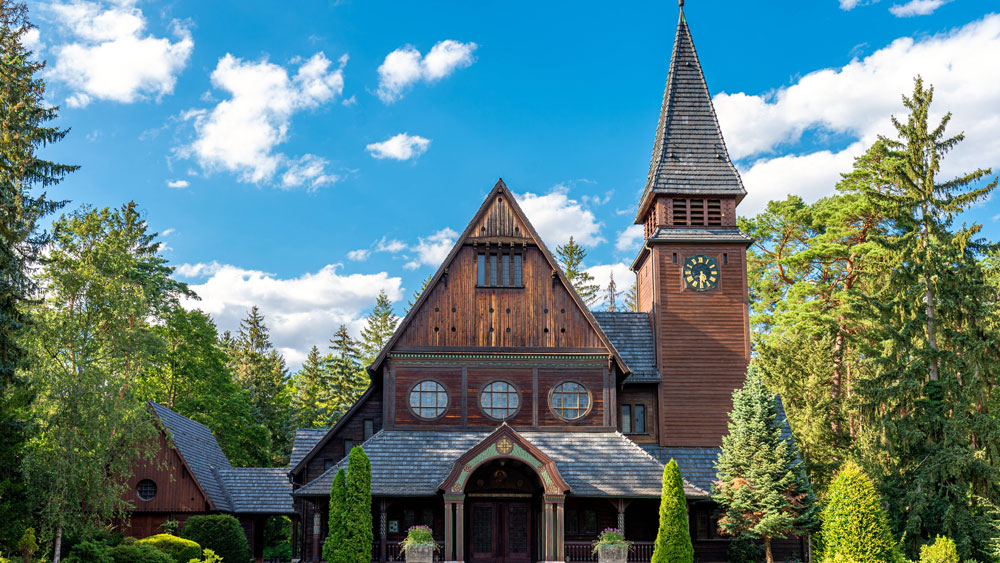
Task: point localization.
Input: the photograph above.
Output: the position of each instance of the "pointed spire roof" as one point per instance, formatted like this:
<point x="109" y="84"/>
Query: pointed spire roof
<point x="689" y="153"/>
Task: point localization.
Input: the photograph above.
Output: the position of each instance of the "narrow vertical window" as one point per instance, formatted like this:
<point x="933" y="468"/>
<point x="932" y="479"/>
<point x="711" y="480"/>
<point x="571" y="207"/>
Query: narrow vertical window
<point x="481" y="269"/>
<point x="493" y="270"/>
<point x="369" y="428"/>
<point x="505" y="271"/>
<point x="517" y="271"/>
<point x="675" y="257"/>
<point x="626" y="419"/>
<point x="348" y="444"/>
<point x="640" y="419"/>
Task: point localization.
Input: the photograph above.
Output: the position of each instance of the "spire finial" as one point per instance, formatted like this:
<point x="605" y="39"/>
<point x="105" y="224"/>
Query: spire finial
<point x="680" y="3"/>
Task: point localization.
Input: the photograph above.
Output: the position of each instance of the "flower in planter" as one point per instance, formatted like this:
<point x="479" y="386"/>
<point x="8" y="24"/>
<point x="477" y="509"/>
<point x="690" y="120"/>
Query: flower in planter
<point x="611" y="537"/>
<point x="418" y="536"/>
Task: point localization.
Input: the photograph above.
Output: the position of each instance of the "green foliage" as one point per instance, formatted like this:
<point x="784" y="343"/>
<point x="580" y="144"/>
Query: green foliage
<point x="337" y="534"/>
<point x="630" y="301"/>
<point x="221" y="533"/>
<point x="358" y="515"/>
<point x="571" y="257"/>
<point x="27" y="546"/>
<point x="762" y="490"/>
<point x="278" y="537"/>
<point x="210" y="557"/>
<point x="138" y="553"/>
<point x="744" y="550"/>
<point x="673" y="538"/>
<point x="613" y="537"/>
<point x="349" y="378"/>
<point x="379" y="326"/>
<point x="170" y="527"/>
<point x="90" y="552"/>
<point x="179" y="549"/>
<point x="417" y="536"/>
<point x="612" y="295"/>
<point x="417" y="293"/>
<point x="943" y="550"/>
<point x="854" y="525"/>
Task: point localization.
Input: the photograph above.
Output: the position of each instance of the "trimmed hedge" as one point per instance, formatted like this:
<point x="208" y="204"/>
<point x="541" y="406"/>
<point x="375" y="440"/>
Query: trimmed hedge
<point x="138" y="553"/>
<point x="179" y="549"/>
<point x="221" y="533"/>
<point x="855" y="527"/>
<point x="673" y="539"/>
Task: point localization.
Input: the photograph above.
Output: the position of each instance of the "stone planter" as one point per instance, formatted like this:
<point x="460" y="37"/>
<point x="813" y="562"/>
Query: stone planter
<point x="612" y="553"/>
<point x="420" y="554"/>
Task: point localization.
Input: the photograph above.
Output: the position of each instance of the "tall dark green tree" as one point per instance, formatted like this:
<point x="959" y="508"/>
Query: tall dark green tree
<point x="358" y="534"/>
<point x="931" y="432"/>
<point x="417" y="293"/>
<point x="673" y="537"/>
<point x="571" y="256"/>
<point x="379" y="326"/>
<point x="333" y="549"/>
<point x="762" y="489"/>
<point x="24" y="119"/>
<point x="348" y="378"/>
<point x="311" y="390"/>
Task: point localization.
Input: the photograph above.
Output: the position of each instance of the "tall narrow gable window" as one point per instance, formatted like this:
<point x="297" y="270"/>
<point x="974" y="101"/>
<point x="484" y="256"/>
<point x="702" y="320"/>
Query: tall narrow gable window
<point x="481" y="269"/>
<point x="500" y="268"/>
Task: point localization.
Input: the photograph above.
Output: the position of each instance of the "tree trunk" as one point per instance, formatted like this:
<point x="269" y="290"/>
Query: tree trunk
<point x="836" y="384"/>
<point x="929" y="296"/>
<point x="57" y="555"/>
<point x="767" y="550"/>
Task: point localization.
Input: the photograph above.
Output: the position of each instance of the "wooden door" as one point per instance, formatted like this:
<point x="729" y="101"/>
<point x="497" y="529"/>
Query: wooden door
<point x="483" y="532"/>
<point x="500" y="532"/>
<point x="517" y="533"/>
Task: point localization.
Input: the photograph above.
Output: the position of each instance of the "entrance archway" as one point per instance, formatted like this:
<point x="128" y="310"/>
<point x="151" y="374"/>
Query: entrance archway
<point x="504" y="499"/>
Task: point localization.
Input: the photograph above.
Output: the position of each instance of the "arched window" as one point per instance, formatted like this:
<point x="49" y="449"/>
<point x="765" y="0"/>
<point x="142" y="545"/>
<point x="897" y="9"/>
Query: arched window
<point x="570" y="400"/>
<point x="428" y="399"/>
<point x="499" y="400"/>
<point x="146" y="489"/>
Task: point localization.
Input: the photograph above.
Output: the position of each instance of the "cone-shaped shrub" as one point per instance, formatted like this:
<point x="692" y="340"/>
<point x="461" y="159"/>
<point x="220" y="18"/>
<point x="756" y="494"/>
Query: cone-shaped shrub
<point x="358" y="514"/>
<point x="673" y="539"/>
<point x="855" y="527"/>
<point x="338" y="505"/>
<point x="943" y="550"/>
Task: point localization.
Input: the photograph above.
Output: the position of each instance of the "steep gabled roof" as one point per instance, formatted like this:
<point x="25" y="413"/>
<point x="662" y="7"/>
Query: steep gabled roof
<point x="199" y="451"/>
<point x="305" y="440"/>
<point x="689" y="153"/>
<point x="258" y="490"/>
<point x="500" y="188"/>
<point x="632" y="335"/>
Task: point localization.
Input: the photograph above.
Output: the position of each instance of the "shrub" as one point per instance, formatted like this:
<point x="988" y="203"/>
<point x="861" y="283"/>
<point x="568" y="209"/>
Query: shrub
<point x="90" y="551"/>
<point x="27" y="546"/>
<point x="171" y="527"/>
<point x="358" y="518"/>
<point x="744" y="550"/>
<point x="417" y="536"/>
<point x="210" y="557"/>
<point x="179" y="549"/>
<point x="943" y="550"/>
<point x="221" y="533"/>
<point x="338" y="505"/>
<point x="673" y="539"/>
<point x="138" y="553"/>
<point x="855" y="528"/>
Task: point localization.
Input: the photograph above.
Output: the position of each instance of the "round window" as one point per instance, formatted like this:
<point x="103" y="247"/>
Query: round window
<point x="428" y="399"/>
<point x="570" y="400"/>
<point x="146" y="489"/>
<point x="499" y="400"/>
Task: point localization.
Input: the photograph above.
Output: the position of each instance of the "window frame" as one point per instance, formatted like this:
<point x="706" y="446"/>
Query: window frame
<point x="500" y="268"/>
<point x="444" y="410"/>
<point x="633" y="417"/>
<point x="626" y="419"/>
<point x="368" y="427"/>
<point x="486" y="413"/>
<point x="590" y="401"/>
<point x="138" y="487"/>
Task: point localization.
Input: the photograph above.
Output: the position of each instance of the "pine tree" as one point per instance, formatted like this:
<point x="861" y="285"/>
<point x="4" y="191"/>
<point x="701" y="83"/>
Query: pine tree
<point x="23" y="115"/>
<point x="333" y="549"/>
<point x="762" y="490"/>
<point x="358" y="519"/>
<point x="612" y="294"/>
<point x="379" y="326"/>
<point x="571" y="256"/>
<point x="348" y="378"/>
<point x="311" y="390"/>
<point x="418" y="293"/>
<point x="631" y="302"/>
<point x="855" y="527"/>
<point x="673" y="539"/>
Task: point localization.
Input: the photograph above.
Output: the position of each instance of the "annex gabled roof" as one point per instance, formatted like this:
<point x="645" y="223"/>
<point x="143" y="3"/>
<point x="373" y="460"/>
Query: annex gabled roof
<point x="499" y="188"/>
<point x="632" y="334"/>
<point x="303" y="443"/>
<point x="689" y="153"/>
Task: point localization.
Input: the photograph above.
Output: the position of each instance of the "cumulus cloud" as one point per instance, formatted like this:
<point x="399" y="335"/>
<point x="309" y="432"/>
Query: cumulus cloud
<point x="630" y="238"/>
<point x="359" y="255"/>
<point x="556" y="217"/>
<point x="240" y="134"/>
<point x="849" y="4"/>
<point x="392" y="246"/>
<point x="178" y="184"/>
<point x="404" y="67"/>
<point x="432" y="250"/>
<point x="916" y="8"/>
<point x="102" y="51"/>
<point x="300" y="311"/>
<point x="399" y="147"/>
<point x="854" y="102"/>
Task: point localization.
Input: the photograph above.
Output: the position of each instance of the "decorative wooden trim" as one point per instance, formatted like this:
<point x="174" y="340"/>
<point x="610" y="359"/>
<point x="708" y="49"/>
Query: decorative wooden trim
<point x="465" y="395"/>
<point x="590" y="401"/>
<point x="534" y="396"/>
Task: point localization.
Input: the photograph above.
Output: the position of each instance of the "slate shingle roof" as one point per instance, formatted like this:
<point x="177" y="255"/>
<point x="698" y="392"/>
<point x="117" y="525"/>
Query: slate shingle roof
<point x="258" y="490"/>
<point x="415" y="463"/>
<point x="305" y="440"/>
<point x="689" y="153"/>
<point x="632" y="335"/>
<point x="694" y="234"/>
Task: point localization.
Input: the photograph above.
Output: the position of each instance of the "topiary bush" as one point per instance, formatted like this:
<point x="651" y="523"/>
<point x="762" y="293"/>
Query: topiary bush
<point x="673" y="539"/>
<point x="855" y="528"/>
<point x="943" y="550"/>
<point x="89" y="551"/>
<point x="179" y="549"/>
<point x="358" y="519"/>
<point x="221" y="533"/>
<point x="334" y="543"/>
<point x="138" y="553"/>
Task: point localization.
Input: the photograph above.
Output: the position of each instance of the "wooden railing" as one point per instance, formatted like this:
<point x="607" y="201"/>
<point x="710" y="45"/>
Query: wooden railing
<point x="395" y="553"/>
<point x="584" y="551"/>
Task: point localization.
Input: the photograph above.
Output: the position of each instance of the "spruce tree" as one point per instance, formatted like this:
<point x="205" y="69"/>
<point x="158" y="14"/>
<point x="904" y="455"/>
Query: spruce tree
<point x="311" y="388"/>
<point x="855" y="527"/>
<point x="348" y="378"/>
<point x="673" y="539"/>
<point x="358" y="518"/>
<point x="571" y="256"/>
<point x="762" y="490"/>
<point x="631" y="301"/>
<point x="417" y="293"/>
<point x="333" y="549"/>
<point x="611" y="294"/>
<point x="23" y="118"/>
<point x="379" y="326"/>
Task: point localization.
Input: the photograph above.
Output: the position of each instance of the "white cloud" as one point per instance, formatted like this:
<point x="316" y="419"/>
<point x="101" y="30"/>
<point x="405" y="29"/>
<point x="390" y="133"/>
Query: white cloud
<point x="404" y="66"/>
<point x="167" y="232"/>
<point x="556" y="217"/>
<point x="240" y="134"/>
<point x="630" y="238"/>
<point x="300" y="311"/>
<point x="916" y="8"/>
<point x="178" y="184"/>
<point x="849" y="4"/>
<point x="200" y="270"/>
<point x="399" y="147"/>
<point x="32" y="40"/>
<point x="855" y="102"/>
<point x="311" y="170"/>
<point x="105" y="53"/>
<point x="624" y="278"/>
<point x="393" y="246"/>
<point x="432" y="250"/>
<point x="359" y="255"/>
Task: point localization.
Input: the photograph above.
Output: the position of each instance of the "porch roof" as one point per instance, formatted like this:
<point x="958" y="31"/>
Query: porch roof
<point x="593" y="464"/>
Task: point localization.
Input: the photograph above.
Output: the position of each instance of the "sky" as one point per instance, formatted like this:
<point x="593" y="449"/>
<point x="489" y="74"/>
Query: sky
<point x="304" y="159"/>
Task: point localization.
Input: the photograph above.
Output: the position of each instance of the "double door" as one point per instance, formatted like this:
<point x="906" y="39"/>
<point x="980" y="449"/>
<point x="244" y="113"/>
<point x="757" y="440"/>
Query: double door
<point x="500" y="532"/>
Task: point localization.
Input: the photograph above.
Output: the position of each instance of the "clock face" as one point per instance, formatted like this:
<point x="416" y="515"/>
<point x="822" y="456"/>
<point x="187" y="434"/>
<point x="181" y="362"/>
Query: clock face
<point x="701" y="273"/>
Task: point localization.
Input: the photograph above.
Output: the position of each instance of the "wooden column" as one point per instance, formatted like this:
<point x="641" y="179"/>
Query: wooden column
<point x="383" y="506"/>
<point x="554" y="528"/>
<point x="547" y="540"/>
<point x="452" y="527"/>
<point x="316" y="527"/>
<point x="620" y="505"/>
<point x="459" y="530"/>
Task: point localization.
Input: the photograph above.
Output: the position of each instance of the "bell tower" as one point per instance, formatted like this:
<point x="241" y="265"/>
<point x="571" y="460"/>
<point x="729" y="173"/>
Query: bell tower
<point x="691" y="270"/>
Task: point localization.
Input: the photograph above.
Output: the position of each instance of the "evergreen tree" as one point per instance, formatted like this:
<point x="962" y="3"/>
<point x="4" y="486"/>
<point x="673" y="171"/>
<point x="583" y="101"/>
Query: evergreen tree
<point x="349" y="379"/>
<point x="612" y="294"/>
<point x="418" y="293"/>
<point x="762" y="490"/>
<point x="23" y="118"/>
<point x="358" y="519"/>
<point x="311" y="390"/>
<point x="571" y="256"/>
<point x="334" y="548"/>
<point x="854" y="524"/>
<point x="379" y="326"/>
<point x="631" y="302"/>
<point x="673" y="539"/>
<point x="943" y="550"/>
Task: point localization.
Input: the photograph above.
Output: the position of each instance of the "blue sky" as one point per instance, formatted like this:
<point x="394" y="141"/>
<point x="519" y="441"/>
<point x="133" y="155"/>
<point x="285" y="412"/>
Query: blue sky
<point x="302" y="159"/>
